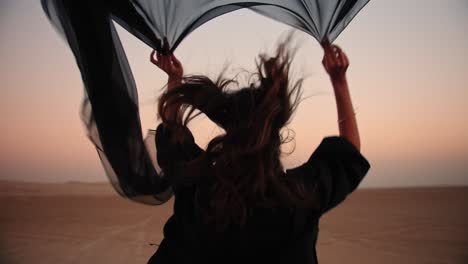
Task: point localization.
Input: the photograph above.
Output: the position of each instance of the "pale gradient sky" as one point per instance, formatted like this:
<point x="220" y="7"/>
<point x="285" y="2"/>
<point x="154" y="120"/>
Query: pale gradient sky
<point x="408" y="80"/>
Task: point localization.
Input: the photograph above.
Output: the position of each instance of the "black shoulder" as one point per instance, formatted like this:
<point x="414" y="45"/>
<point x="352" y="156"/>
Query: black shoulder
<point x="334" y="170"/>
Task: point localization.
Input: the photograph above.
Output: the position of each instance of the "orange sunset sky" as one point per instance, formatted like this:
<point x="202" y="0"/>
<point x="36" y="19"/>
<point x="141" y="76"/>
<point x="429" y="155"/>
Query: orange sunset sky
<point x="407" y="76"/>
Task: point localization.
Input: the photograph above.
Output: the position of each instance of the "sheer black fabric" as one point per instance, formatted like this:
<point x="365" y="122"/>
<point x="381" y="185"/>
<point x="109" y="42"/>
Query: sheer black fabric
<point x="110" y="106"/>
<point x="176" y="19"/>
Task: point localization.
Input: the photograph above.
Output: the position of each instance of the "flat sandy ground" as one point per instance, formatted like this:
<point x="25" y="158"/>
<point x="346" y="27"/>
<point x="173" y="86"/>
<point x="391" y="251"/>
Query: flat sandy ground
<point x="89" y="223"/>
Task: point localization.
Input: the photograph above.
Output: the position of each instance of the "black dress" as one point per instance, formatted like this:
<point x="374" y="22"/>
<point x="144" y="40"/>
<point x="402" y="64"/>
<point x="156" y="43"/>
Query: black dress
<point x="275" y="235"/>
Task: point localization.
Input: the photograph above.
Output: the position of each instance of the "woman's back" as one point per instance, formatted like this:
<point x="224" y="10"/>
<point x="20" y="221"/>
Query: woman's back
<point x="277" y="234"/>
<point x="267" y="236"/>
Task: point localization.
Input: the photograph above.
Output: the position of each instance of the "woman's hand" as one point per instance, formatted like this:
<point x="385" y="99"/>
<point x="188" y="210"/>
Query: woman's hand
<point x="335" y="62"/>
<point x="167" y="62"/>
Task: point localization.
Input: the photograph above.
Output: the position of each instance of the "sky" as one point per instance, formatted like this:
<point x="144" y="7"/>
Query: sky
<point x="407" y="78"/>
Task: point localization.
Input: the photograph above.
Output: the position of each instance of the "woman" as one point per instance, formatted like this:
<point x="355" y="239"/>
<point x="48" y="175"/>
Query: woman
<point x="234" y="203"/>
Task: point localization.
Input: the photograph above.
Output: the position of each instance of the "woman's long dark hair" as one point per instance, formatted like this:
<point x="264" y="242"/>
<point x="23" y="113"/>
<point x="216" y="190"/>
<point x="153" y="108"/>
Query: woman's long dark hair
<point x="242" y="168"/>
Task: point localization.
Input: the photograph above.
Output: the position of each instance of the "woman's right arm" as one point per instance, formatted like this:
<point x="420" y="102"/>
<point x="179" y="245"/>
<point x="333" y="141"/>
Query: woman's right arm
<point x="336" y="63"/>
<point x="167" y="62"/>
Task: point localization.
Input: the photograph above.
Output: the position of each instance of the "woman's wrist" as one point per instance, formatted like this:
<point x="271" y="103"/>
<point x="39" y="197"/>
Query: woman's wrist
<point x="173" y="81"/>
<point x="174" y="77"/>
<point x="338" y="82"/>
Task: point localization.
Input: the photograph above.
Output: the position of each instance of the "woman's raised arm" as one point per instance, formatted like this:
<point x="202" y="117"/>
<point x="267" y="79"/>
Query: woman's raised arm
<point x="336" y="63"/>
<point x="167" y="62"/>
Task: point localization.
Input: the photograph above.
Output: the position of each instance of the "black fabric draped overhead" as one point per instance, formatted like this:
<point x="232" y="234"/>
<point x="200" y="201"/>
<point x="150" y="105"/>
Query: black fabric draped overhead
<point x="110" y="106"/>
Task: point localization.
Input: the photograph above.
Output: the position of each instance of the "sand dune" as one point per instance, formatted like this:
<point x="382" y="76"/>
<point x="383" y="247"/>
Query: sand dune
<point x="89" y="223"/>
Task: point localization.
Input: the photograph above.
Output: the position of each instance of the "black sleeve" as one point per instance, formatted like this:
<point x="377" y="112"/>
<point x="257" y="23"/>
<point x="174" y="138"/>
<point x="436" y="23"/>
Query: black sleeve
<point x="170" y="155"/>
<point x="334" y="170"/>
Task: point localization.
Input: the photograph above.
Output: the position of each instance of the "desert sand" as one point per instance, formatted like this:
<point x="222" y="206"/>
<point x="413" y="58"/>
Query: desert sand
<point x="89" y="223"/>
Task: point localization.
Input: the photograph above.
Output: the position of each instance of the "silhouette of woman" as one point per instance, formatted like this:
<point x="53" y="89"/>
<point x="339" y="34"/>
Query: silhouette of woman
<point x="234" y="202"/>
